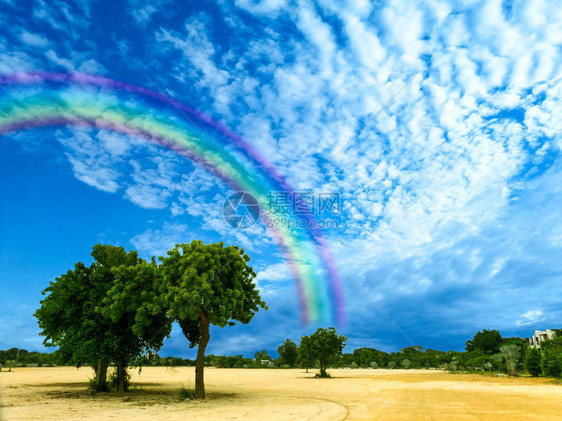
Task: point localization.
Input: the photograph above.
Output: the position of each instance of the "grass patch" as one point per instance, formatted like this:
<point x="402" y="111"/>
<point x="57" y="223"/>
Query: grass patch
<point x="187" y="393"/>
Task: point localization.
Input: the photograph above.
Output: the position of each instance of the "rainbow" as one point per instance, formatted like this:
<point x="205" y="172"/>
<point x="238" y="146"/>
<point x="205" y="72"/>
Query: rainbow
<point x="43" y="99"/>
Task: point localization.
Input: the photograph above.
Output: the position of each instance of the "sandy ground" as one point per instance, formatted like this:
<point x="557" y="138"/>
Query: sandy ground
<point x="60" y="393"/>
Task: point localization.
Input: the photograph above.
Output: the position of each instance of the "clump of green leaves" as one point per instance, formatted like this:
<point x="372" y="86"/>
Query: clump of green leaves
<point x="187" y="393"/>
<point x="533" y="361"/>
<point x="95" y="386"/>
<point x="551" y="361"/>
<point x="288" y="353"/>
<point x="115" y="380"/>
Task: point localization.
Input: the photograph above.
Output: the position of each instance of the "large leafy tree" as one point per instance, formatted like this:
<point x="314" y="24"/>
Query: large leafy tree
<point x="75" y="316"/>
<point x="288" y="352"/>
<point x="207" y="284"/>
<point x="324" y="345"/>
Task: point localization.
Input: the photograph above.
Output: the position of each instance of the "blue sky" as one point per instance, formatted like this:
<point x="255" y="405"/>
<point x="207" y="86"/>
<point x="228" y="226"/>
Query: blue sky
<point x="450" y="197"/>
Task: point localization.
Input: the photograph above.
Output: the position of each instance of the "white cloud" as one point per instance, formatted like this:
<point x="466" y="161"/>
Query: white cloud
<point x="274" y="272"/>
<point x="269" y="8"/>
<point x="530" y="317"/>
<point x="156" y="242"/>
<point x="90" y="163"/>
<point x="33" y="40"/>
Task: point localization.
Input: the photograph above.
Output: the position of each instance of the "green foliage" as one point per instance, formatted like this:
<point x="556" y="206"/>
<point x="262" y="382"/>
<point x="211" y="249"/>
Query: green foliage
<point x="115" y="379"/>
<point x="325" y="345"/>
<point x="211" y="281"/>
<point x="488" y="341"/>
<point x="288" y="353"/>
<point x="510" y="354"/>
<point x="405" y="363"/>
<point x="95" y="386"/>
<point x="261" y="355"/>
<point x="365" y="357"/>
<point x="204" y="285"/>
<point x="236" y="361"/>
<point x="187" y="393"/>
<point x="533" y="362"/>
<point x="551" y="361"/>
<point x="391" y="365"/>
<point x="104" y="312"/>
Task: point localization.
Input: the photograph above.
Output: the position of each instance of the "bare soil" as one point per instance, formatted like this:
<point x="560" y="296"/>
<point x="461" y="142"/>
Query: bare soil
<point x="269" y="394"/>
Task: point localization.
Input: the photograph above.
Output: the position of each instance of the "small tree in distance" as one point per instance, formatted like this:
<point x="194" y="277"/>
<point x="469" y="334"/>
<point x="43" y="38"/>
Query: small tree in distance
<point x="510" y="353"/>
<point x="288" y="352"/>
<point x="487" y="341"/>
<point x="260" y="356"/>
<point x="323" y="345"/>
<point x="365" y="357"/>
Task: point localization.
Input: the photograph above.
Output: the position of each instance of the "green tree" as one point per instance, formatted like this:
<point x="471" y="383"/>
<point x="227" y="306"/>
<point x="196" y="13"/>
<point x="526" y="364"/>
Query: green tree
<point x="288" y="352"/>
<point x="74" y="315"/>
<point x="259" y="356"/>
<point x="551" y="361"/>
<point x="204" y="285"/>
<point x="406" y="363"/>
<point x="510" y="353"/>
<point x="365" y="357"/>
<point x="488" y="341"/>
<point x="305" y="359"/>
<point x="323" y="345"/>
<point x="533" y="361"/>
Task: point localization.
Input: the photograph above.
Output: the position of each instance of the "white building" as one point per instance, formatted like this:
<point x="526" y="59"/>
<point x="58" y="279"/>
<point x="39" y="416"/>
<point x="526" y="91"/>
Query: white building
<point x="540" y="336"/>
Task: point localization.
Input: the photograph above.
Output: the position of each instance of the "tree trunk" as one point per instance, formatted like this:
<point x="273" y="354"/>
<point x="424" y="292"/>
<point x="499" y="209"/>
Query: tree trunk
<point x="101" y="375"/>
<point x="323" y="369"/>
<point x="200" y="361"/>
<point x="120" y="375"/>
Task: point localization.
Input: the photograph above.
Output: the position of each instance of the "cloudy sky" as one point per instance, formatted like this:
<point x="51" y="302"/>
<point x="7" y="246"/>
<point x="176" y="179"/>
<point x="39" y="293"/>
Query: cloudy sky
<point x="438" y="123"/>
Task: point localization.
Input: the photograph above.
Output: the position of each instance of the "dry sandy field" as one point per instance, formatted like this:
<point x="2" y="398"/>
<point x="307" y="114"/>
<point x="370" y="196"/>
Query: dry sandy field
<point x="269" y="394"/>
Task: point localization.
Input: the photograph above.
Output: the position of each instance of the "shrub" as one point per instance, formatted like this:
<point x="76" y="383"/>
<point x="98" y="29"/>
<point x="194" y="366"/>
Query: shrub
<point x="511" y="355"/>
<point x="533" y="361"/>
<point x="374" y="364"/>
<point x="391" y="365"/>
<point x="115" y="380"/>
<point x="551" y="361"/>
<point x="187" y="393"/>
<point x="93" y="386"/>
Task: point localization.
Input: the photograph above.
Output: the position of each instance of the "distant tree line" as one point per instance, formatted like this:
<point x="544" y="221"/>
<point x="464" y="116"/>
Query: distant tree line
<point x="487" y="351"/>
